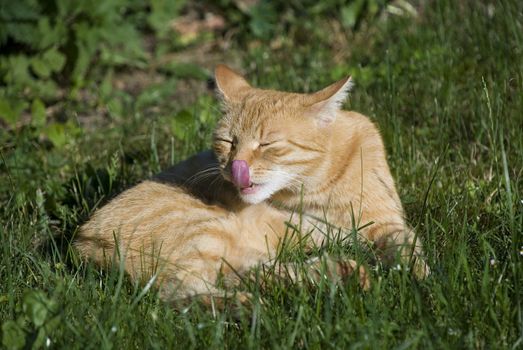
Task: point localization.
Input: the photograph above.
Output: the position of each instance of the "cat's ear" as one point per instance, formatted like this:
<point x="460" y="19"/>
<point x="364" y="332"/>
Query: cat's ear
<point x="324" y="104"/>
<point x="229" y="83"/>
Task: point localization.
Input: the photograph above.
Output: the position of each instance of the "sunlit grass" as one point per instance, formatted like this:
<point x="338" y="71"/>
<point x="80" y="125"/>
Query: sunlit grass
<point x="445" y="90"/>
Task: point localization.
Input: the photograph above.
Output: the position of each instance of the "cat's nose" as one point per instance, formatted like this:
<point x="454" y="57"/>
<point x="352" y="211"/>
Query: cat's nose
<point x="240" y="173"/>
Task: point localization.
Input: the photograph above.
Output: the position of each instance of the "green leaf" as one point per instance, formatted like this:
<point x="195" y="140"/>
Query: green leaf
<point x="40" y="67"/>
<point x="122" y="46"/>
<point x="106" y="86"/>
<point x="23" y="11"/>
<point x="17" y="70"/>
<point x="181" y="123"/>
<point x="186" y="70"/>
<point x="50" y="61"/>
<point x="51" y="35"/>
<point x="25" y="33"/>
<point x="262" y="19"/>
<point x="206" y="109"/>
<point x="6" y="112"/>
<point x="54" y="59"/>
<point x="38" y="113"/>
<point x="39" y="341"/>
<point x="10" y="110"/>
<point x="13" y="336"/>
<point x="351" y="13"/>
<point x="115" y="107"/>
<point x="61" y="134"/>
<point x="87" y="41"/>
<point x="36" y="307"/>
<point x="162" y="12"/>
<point x="67" y="8"/>
<point x="56" y="133"/>
<point x="45" y="89"/>
<point x="155" y="94"/>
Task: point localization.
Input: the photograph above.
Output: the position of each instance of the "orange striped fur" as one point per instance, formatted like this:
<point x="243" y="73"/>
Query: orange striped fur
<point x="303" y="152"/>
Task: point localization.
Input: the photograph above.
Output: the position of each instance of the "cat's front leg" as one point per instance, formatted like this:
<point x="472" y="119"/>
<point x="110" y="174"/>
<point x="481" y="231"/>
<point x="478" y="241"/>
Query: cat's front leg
<point x="403" y="243"/>
<point x="279" y="227"/>
<point x="314" y="270"/>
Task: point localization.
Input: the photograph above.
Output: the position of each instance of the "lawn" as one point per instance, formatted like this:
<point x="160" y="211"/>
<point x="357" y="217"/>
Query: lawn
<point x="443" y="80"/>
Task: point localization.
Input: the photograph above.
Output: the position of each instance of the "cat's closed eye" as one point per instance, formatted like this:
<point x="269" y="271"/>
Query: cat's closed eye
<point x="272" y="142"/>
<point x="228" y="143"/>
<point x="225" y="140"/>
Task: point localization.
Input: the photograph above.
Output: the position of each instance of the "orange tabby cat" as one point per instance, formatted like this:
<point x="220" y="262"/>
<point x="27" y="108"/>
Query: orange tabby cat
<point x="278" y="152"/>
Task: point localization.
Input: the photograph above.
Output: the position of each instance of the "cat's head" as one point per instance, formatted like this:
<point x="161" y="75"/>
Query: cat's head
<point x="270" y="141"/>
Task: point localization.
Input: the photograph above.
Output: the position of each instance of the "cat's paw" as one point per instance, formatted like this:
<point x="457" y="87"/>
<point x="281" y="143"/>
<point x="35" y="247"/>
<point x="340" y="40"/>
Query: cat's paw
<point x="348" y="268"/>
<point x="341" y="270"/>
<point x="420" y="268"/>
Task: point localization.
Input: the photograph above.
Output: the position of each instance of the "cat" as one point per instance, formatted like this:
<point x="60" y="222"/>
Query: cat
<point x="220" y="213"/>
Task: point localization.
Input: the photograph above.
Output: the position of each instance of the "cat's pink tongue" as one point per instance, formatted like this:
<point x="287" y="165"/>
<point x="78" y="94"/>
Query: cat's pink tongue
<point x="240" y="173"/>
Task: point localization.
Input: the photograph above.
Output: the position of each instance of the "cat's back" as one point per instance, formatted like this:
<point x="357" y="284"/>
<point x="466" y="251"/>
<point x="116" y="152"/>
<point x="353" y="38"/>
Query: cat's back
<point x="148" y="210"/>
<point x="358" y="125"/>
<point x="146" y="199"/>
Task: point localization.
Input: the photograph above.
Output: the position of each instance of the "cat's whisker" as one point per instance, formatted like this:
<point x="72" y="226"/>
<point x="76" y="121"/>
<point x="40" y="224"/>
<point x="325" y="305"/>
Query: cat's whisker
<point x="217" y="178"/>
<point x="200" y="179"/>
<point x="292" y="182"/>
<point x="202" y="175"/>
<point x="206" y="170"/>
<point x="199" y="174"/>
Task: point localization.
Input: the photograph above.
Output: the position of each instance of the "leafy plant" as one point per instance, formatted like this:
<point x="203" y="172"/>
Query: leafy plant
<point x="32" y="328"/>
<point x="48" y="47"/>
<point x="266" y="19"/>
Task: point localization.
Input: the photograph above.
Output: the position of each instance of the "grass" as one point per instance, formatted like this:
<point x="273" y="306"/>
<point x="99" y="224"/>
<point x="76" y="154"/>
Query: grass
<point x="446" y="90"/>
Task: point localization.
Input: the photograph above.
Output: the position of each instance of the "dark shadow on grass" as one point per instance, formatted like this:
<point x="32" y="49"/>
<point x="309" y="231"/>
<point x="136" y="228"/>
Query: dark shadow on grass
<point x="200" y="175"/>
<point x="91" y="188"/>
